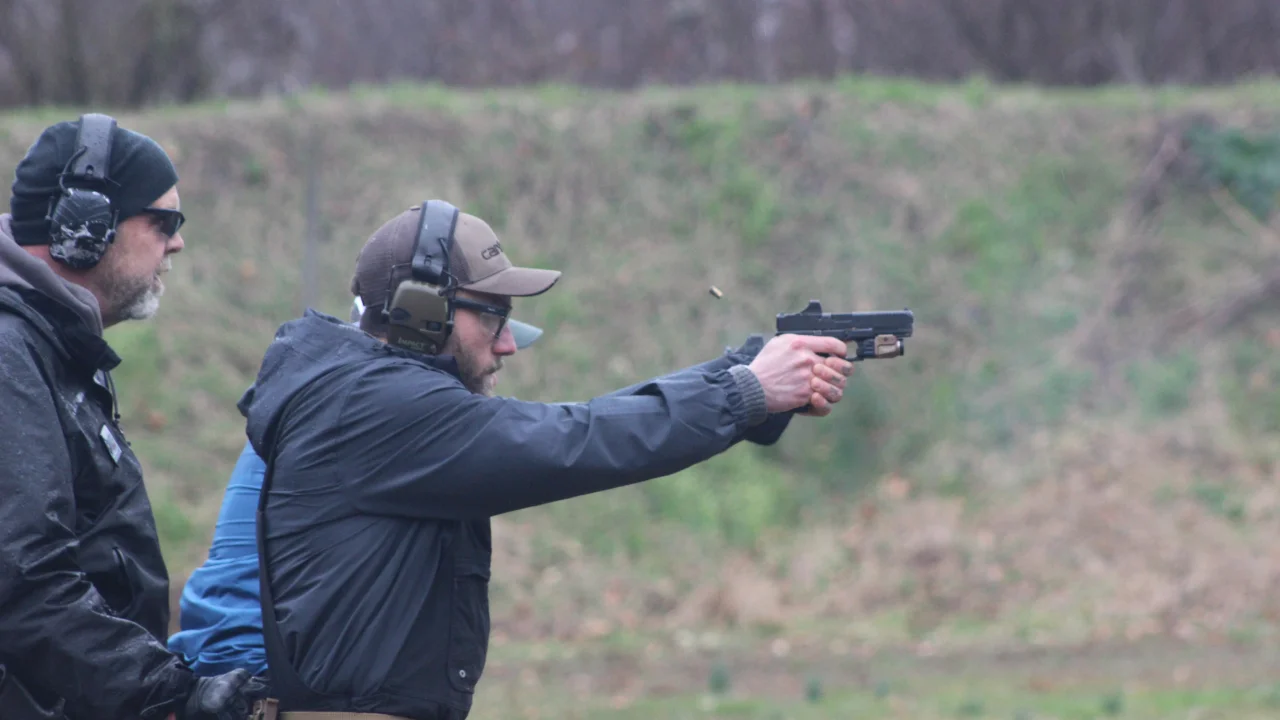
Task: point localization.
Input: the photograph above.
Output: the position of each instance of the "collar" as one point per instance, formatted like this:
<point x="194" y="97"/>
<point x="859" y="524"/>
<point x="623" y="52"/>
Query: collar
<point x="63" y="327"/>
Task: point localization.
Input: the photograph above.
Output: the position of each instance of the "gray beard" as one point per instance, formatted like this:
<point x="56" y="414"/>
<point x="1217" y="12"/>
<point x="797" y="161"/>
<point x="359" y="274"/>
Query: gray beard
<point x="143" y="306"/>
<point x="137" y="301"/>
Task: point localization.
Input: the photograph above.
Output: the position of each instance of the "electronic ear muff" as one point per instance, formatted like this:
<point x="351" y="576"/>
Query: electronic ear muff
<point x="82" y="222"/>
<point x="419" y="315"/>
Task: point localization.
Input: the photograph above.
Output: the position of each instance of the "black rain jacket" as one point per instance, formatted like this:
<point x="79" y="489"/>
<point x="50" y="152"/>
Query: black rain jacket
<point x="384" y="471"/>
<point x="84" y="594"/>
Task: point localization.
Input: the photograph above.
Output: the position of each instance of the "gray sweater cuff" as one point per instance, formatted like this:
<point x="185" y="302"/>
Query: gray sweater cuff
<point x="752" y="394"/>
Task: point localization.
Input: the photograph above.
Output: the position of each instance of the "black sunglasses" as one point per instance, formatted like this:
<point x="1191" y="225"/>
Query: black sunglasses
<point x="501" y="313"/>
<point x="170" y="220"/>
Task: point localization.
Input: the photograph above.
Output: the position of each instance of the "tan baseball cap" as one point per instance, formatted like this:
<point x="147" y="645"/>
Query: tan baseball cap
<point x="476" y="260"/>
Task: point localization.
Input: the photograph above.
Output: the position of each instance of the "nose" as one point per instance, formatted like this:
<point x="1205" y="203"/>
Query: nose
<point x="176" y="243"/>
<point x="506" y="342"/>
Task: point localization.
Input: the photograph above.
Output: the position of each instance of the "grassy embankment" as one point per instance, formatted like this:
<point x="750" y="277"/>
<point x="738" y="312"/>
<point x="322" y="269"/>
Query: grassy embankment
<point x="1079" y="444"/>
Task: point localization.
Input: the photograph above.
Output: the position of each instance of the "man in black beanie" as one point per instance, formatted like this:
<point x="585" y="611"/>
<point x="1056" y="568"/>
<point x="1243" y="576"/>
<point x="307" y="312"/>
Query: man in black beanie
<point x="84" y="593"/>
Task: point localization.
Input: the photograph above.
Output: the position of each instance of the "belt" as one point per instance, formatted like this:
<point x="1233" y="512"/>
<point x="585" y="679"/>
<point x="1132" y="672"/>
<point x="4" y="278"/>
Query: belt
<point x="266" y="710"/>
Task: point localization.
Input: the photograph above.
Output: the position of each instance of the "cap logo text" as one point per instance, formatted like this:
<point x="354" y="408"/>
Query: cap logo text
<point x="491" y="252"/>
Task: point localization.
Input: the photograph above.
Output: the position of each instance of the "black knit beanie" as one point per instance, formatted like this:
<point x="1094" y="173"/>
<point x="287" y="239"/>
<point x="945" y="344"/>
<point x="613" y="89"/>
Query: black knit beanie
<point x="140" y="173"/>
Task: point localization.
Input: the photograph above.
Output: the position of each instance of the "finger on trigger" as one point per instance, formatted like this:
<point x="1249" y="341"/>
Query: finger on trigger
<point x="839" y="365"/>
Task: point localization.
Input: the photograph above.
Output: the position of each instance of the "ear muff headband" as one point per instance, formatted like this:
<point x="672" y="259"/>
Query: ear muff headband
<point x="93" y="140"/>
<point x="431" y="250"/>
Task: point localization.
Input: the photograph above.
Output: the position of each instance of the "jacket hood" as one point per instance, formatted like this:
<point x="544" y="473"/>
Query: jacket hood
<point x="63" y="313"/>
<point x="302" y="351"/>
<point x="22" y="271"/>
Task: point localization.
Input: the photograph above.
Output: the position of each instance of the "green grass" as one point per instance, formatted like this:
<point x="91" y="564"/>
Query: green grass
<point x="996" y="213"/>
<point x="987" y="210"/>
<point x="650" y="679"/>
<point x="954" y="702"/>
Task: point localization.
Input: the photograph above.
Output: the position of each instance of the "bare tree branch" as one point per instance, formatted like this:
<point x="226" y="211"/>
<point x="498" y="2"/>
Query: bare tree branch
<point x="143" y="51"/>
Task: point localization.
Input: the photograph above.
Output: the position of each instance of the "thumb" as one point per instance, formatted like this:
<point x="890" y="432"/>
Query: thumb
<point x="215" y="693"/>
<point x="821" y="344"/>
<point x="254" y="687"/>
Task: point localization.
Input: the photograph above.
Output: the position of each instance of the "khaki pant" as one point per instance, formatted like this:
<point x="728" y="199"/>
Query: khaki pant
<point x="266" y="710"/>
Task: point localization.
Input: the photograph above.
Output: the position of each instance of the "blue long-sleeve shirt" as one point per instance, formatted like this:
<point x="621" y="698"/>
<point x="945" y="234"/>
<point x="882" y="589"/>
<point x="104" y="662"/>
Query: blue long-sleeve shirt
<point x="221" y="618"/>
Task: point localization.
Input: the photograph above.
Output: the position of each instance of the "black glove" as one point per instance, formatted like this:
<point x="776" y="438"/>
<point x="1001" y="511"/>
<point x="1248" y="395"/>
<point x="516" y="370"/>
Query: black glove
<point x="228" y="696"/>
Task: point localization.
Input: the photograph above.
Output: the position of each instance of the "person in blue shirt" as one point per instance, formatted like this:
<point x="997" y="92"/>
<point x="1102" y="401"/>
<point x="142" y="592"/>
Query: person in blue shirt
<point x="220" y="615"/>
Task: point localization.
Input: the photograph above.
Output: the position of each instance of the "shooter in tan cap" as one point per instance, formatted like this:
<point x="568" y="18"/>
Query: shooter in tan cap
<point x="388" y="453"/>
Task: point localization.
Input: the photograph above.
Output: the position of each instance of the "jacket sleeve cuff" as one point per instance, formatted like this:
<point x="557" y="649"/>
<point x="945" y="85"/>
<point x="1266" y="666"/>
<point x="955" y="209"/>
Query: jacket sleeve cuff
<point x="752" y="394"/>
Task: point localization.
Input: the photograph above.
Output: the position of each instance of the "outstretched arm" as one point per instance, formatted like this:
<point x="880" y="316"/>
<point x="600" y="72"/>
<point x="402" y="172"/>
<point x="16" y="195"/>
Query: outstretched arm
<point x="767" y="432"/>
<point x="435" y="449"/>
<point x="413" y="442"/>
